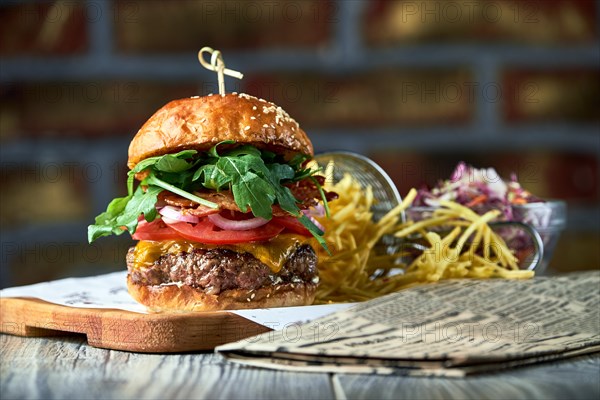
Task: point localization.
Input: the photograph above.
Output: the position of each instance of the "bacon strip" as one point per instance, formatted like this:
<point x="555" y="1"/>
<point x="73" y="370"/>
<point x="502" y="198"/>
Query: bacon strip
<point x="305" y="190"/>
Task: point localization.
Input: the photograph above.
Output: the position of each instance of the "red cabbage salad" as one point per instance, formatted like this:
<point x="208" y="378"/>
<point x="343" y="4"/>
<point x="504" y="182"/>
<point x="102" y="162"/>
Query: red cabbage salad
<point x="479" y="189"/>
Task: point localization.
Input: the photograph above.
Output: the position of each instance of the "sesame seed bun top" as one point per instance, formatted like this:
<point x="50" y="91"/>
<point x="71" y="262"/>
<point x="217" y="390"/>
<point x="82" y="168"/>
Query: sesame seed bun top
<point x="199" y="123"/>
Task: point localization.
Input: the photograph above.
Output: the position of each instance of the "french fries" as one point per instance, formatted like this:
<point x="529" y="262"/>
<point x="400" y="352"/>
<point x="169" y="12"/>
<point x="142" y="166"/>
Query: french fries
<point x="454" y="242"/>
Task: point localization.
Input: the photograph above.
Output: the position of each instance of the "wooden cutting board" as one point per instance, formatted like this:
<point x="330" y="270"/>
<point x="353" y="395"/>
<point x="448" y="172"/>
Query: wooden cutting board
<point x="125" y="330"/>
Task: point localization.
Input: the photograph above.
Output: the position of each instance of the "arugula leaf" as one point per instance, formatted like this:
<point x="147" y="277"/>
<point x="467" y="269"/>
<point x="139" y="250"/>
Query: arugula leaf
<point x="124" y="212"/>
<point x="173" y="163"/>
<point x="285" y="198"/>
<point x="213" y="150"/>
<point x="251" y="191"/>
<point x="253" y="184"/>
<point x="106" y="222"/>
<point x="153" y="180"/>
<point x="280" y="172"/>
<point x="315" y="231"/>
<point x="304" y="173"/>
<point x="297" y="161"/>
<point x="180" y="179"/>
<point x="114" y="208"/>
<point x="141" y="203"/>
<point x="244" y="150"/>
<point x="236" y="167"/>
<point x="130" y="181"/>
<point x="323" y="197"/>
<point x="165" y="161"/>
<point x="211" y="177"/>
<point x="256" y="178"/>
<point x="257" y="185"/>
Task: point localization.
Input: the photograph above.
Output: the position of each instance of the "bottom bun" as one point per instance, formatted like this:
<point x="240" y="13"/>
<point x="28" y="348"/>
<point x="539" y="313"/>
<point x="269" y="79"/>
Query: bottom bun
<point x="174" y="297"/>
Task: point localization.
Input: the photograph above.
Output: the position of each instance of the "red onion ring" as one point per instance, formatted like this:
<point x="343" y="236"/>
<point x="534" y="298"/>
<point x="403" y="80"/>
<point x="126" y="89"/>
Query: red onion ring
<point x="316" y="211"/>
<point x="168" y="220"/>
<point x="173" y="213"/>
<point x="313" y="219"/>
<point x="233" y="225"/>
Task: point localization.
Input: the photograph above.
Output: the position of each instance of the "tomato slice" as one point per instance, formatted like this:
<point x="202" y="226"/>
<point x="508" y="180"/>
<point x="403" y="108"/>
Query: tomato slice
<point x="155" y="230"/>
<point x="292" y="224"/>
<point x="206" y="232"/>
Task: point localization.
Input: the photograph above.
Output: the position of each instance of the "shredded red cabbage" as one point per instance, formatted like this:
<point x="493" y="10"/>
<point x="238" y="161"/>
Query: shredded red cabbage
<point x="479" y="189"/>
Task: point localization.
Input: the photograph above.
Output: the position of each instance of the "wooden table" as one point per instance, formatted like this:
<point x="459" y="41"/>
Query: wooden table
<point x="67" y="368"/>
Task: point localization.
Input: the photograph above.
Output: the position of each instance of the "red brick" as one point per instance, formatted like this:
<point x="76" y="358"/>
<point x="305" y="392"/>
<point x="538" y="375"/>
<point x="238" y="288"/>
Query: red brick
<point x="45" y="28"/>
<point x="576" y="251"/>
<point x="532" y="21"/>
<point x="569" y="176"/>
<point x="184" y="26"/>
<point x="34" y="262"/>
<point x="43" y="193"/>
<point x="93" y="108"/>
<point x="567" y="95"/>
<point x="377" y="98"/>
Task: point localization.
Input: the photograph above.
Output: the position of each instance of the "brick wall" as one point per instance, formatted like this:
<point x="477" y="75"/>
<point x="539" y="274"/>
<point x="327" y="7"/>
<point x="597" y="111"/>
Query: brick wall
<point x="417" y="85"/>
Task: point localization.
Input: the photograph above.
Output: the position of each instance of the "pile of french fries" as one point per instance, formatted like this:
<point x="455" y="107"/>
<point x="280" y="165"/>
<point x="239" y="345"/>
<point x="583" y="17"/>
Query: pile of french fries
<point x="454" y="242"/>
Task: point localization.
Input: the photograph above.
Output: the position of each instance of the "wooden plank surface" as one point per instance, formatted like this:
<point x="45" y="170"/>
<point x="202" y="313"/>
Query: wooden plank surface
<point x="67" y="368"/>
<point x="575" y="379"/>
<point x="124" y="330"/>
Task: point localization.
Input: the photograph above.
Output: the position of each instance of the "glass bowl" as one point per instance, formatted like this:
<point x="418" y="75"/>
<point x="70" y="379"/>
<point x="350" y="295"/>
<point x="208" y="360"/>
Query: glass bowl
<point x="532" y="232"/>
<point x="367" y="173"/>
<point x="549" y="219"/>
<point x="520" y="237"/>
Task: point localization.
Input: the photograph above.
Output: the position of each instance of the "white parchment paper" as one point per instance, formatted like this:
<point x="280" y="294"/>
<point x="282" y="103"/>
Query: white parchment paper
<point x="110" y="291"/>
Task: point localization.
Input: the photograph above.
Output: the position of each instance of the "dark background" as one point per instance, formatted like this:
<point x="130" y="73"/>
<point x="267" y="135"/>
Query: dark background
<point x="416" y="85"/>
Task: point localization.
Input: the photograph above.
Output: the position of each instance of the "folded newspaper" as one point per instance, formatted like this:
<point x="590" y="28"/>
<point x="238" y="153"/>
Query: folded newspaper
<point x="452" y="328"/>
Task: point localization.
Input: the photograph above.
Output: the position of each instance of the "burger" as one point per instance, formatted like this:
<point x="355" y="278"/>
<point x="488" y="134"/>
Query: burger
<point x="224" y="209"/>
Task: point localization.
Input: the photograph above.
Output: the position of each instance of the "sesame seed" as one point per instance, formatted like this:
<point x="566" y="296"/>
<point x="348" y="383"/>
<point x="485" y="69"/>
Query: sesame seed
<point x="253" y="294"/>
<point x="210" y="94"/>
<point x="233" y="92"/>
<point x="254" y="107"/>
<point x="252" y="117"/>
<point x="247" y="128"/>
<point x="265" y="126"/>
<point x="195" y="97"/>
<point x="272" y="108"/>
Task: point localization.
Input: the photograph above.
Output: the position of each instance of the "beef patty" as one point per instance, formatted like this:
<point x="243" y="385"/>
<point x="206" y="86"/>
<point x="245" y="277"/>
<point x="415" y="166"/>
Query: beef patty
<point x="216" y="270"/>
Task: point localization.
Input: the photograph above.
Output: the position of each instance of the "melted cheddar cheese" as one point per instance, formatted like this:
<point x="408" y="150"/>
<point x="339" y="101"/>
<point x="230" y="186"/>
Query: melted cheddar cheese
<point x="273" y="253"/>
